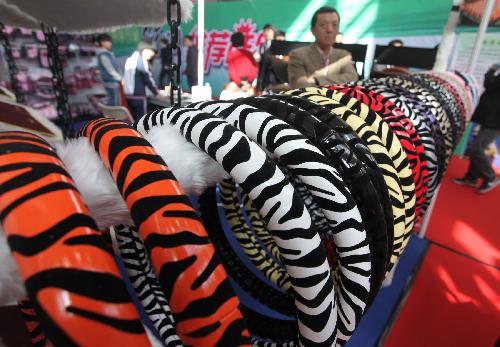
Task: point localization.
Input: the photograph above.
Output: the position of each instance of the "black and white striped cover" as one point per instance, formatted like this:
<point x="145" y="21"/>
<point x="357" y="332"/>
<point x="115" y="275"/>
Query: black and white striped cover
<point x="145" y="283"/>
<point x="285" y="214"/>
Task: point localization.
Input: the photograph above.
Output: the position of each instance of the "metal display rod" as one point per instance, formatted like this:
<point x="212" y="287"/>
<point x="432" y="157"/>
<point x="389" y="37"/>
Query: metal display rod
<point x="58" y="82"/>
<point x="483" y="26"/>
<point x="201" y="41"/>
<point x="11" y="63"/>
<point x="448" y="40"/>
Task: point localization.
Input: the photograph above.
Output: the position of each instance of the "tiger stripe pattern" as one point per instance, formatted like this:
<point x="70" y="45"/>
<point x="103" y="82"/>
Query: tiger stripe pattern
<point x="246" y="239"/>
<point x="66" y="292"/>
<point x="206" y="312"/>
<point x="286" y="217"/>
<point x="401" y="127"/>
<point x="384" y="160"/>
<point x="28" y="313"/>
<point x="145" y="283"/>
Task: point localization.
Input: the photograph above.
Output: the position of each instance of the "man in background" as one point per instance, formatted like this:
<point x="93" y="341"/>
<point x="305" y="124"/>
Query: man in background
<point x="108" y="68"/>
<point x="138" y="80"/>
<point x="262" y="55"/>
<point x="487" y="115"/>
<point x="320" y="63"/>
<point x="191" y="70"/>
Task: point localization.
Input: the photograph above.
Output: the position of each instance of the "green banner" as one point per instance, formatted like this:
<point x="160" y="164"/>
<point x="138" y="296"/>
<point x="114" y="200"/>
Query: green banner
<point x="359" y="19"/>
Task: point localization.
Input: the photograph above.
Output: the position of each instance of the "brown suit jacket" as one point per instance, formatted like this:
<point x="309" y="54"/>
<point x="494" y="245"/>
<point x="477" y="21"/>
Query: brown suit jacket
<point x="306" y="67"/>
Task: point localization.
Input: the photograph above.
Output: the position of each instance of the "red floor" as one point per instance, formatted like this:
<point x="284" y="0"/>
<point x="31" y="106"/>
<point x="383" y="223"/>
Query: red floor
<point x="455" y="300"/>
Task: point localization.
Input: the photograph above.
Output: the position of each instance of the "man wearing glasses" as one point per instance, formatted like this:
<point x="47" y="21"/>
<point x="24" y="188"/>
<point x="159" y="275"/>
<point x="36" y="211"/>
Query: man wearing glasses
<point x="321" y="64"/>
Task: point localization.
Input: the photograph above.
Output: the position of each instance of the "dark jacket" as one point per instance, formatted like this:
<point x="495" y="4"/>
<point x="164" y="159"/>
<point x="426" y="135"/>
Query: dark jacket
<point x="192" y="66"/>
<point x="487" y="112"/>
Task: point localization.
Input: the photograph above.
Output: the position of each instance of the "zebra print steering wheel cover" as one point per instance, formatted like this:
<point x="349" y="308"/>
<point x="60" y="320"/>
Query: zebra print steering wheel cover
<point x="393" y="147"/>
<point x="287" y="218"/>
<point x="256" y="287"/>
<point x="451" y="90"/>
<point x="384" y="160"/>
<point x="246" y="238"/>
<point x="430" y="99"/>
<point x="359" y="102"/>
<point x="362" y="152"/>
<point x="166" y="221"/>
<point x="445" y="98"/>
<point x="426" y="125"/>
<point x="61" y="256"/>
<point x="297" y="153"/>
<point x="130" y="248"/>
<point x="350" y="168"/>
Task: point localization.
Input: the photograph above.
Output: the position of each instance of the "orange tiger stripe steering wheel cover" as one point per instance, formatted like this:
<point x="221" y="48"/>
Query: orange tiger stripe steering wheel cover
<point x="70" y="274"/>
<point x="181" y="253"/>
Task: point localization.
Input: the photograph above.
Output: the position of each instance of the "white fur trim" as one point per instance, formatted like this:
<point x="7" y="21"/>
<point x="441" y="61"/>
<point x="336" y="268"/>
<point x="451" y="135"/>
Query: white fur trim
<point x="11" y="286"/>
<point x="193" y="168"/>
<point x="94" y="182"/>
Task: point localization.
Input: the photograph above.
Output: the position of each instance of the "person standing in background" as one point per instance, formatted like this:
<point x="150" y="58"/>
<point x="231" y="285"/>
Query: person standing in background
<point x="261" y="56"/>
<point x="241" y="65"/>
<point x="166" y="62"/>
<point x="279" y="35"/>
<point x="191" y="70"/>
<point x="487" y="115"/>
<point x="138" y="80"/>
<point x="321" y="64"/>
<point x="108" y="68"/>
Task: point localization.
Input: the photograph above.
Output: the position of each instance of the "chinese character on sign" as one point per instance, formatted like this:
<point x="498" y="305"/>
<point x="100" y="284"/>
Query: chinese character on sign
<point x="218" y="42"/>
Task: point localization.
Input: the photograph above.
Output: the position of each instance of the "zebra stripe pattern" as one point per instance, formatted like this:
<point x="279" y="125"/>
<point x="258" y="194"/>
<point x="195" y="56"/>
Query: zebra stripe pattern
<point x="183" y="258"/>
<point x="384" y="160"/>
<point x="394" y="149"/>
<point x="427" y="126"/>
<point x="299" y="155"/>
<point x="367" y="161"/>
<point x="402" y="128"/>
<point x="145" y="283"/>
<point x="259" y="227"/>
<point x="352" y="173"/>
<point x="66" y="292"/>
<point x="280" y="206"/>
<point x="435" y="106"/>
<point x="247" y="240"/>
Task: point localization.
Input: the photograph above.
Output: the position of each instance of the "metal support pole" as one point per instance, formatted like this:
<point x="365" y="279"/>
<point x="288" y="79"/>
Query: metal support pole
<point x="11" y="63"/>
<point x="446" y="46"/>
<point x="60" y="89"/>
<point x="201" y="41"/>
<point x="428" y="214"/>
<point x="480" y="35"/>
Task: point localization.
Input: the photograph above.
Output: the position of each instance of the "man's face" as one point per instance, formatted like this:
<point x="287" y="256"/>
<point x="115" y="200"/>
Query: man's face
<point x="107" y="45"/>
<point x="188" y="43"/>
<point x="268" y="34"/>
<point x="326" y="29"/>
